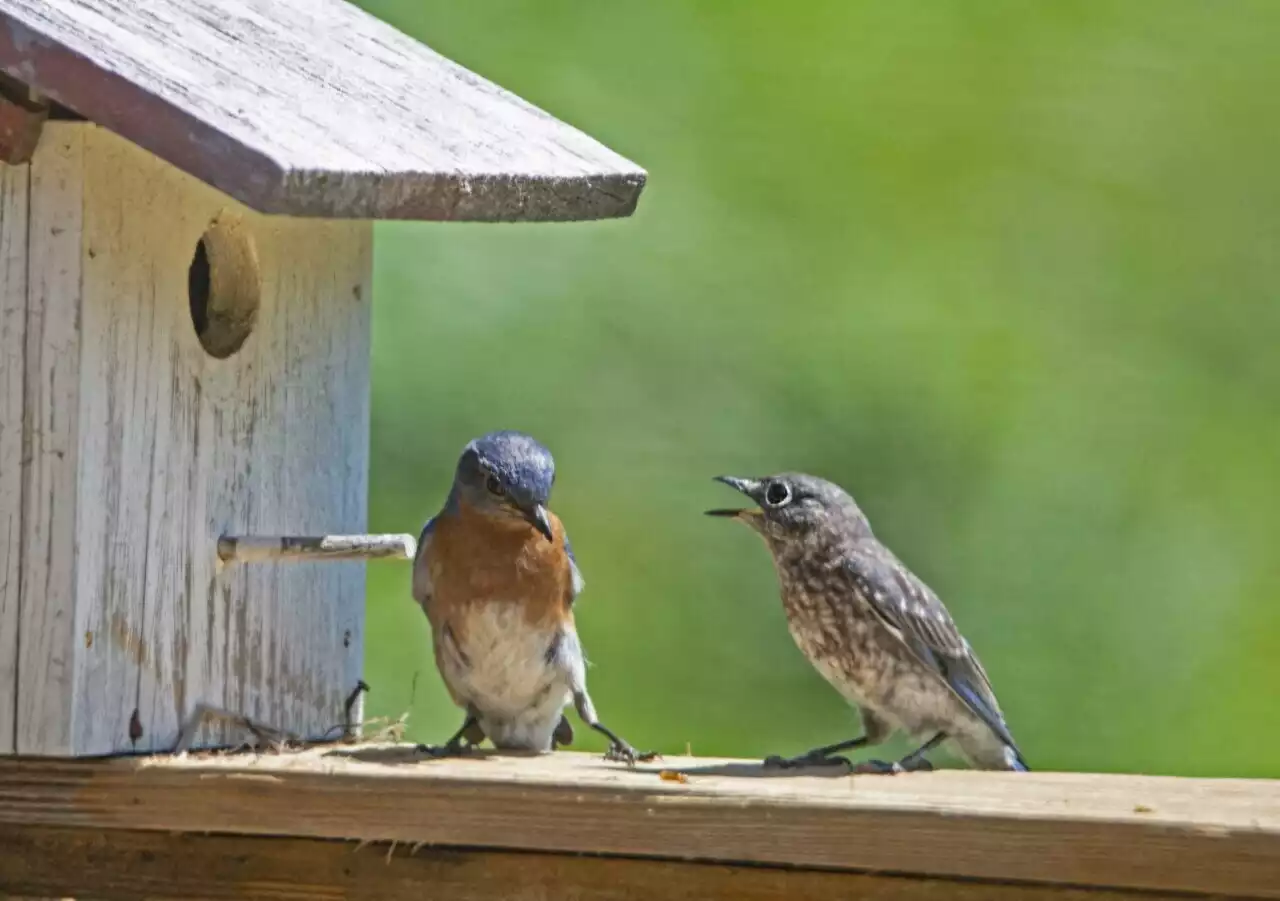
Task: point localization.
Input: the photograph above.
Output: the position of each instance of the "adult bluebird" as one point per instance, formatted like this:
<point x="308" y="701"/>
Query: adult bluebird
<point x="496" y="576"/>
<point x="873" y="630"/>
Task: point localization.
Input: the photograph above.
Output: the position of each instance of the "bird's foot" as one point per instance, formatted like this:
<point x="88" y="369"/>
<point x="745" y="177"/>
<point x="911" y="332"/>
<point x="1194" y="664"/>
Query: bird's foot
<point x="811" y="759"/>
<point x="888" y="768"/>
<point x="439" y="752"/>
<point x="915" y="765"/>
<point x="877" y="768"/>
<point x="621" y="752"/>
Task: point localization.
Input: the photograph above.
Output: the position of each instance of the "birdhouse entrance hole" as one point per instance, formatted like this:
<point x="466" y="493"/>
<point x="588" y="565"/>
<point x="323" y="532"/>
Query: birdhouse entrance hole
<point x="223" y="287"/>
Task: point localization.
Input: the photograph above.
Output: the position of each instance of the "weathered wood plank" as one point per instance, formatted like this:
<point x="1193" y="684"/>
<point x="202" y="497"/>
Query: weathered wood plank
<point x="179" y="447"/>
<point x="311" y="108"/>
<point x="13" y="321"/>
<point x="122" y="865"/>
<point x="129" y="303"/>
<point x="46" y="647"/>
<point x="307" y="402"/>
<point x="1119" y="832"/>
<point x="138" y="449"/>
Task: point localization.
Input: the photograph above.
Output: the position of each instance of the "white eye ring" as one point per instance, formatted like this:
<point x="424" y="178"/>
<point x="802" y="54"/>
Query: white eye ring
<point x="778" y="494"/>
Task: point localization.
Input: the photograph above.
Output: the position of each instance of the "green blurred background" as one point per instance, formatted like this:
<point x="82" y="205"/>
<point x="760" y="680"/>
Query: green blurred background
<point x="1005" y="270"/>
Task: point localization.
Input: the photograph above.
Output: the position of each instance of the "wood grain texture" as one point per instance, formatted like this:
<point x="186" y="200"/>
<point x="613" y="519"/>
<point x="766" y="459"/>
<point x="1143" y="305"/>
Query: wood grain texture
<point x="180" y="447"/>
<point x="47" y="656"/>
<point x="145" y="449"/>
<point x="122" y="865"/>
<point x="13" y="329"/>
<point x="1120" y="832"/>
<point x="311" y="108"/>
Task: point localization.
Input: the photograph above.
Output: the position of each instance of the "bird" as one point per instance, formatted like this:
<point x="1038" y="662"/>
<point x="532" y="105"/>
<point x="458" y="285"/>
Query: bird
<point x="877" y="633"/>
<point x="495" y="573"/>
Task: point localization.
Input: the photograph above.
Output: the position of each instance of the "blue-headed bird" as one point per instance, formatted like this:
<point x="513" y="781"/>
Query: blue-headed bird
<point x="496" y="575"/>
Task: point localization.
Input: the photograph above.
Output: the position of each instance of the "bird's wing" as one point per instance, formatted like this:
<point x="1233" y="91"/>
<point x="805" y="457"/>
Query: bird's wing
<point x="578" y="582"/>
<point x="422" y="588"/>
<point x="911" y="610"/>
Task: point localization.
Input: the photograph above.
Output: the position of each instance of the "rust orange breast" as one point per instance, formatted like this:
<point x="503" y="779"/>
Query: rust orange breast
<point x="475" y="559"/>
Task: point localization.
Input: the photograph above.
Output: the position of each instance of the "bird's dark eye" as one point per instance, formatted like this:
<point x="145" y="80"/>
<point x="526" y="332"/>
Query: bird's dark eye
<point x="777" y="494"/>
<point x="494" y="486"/>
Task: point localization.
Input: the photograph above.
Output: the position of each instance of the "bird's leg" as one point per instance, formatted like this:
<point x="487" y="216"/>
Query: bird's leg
<point x="824" y="756"/>
<point x="619" y="749"/>
<point x="916" y="761"/>
<point x="875" y="729"/>
<point x="470" y="732"/>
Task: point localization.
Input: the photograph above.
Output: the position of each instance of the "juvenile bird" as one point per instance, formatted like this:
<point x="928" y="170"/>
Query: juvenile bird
<point x="873" y="630"/>
<point x="496" y="576"/>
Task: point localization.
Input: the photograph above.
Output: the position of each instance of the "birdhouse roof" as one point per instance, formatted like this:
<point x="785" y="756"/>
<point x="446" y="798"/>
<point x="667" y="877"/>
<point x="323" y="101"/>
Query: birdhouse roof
<point x="311" y="108"/>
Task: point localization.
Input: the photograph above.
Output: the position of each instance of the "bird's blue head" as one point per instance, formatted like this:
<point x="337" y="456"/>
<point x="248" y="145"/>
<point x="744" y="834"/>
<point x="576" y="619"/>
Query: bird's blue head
<point x="507" y="474"/>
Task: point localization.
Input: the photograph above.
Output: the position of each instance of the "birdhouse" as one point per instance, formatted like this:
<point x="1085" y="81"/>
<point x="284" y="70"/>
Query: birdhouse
<point x="186" y="207"/>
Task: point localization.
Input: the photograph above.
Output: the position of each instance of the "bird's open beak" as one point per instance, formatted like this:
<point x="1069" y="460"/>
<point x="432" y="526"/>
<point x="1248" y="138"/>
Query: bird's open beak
<point x="747" y="487"/>
<point x="540" y="520"/>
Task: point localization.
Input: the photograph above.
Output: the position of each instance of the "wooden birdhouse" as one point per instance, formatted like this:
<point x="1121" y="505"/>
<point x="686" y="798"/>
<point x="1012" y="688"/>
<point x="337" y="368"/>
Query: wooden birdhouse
<point x="186" y="209"/>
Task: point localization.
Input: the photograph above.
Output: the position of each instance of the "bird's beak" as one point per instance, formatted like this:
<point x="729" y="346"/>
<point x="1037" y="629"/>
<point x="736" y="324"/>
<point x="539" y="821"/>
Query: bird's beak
<point x="540" y="519"/>
<point x="747" y="487"/>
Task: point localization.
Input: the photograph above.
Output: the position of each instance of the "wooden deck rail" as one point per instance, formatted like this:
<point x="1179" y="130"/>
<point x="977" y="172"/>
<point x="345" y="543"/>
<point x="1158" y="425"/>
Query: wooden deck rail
<point x="382" y="822"/>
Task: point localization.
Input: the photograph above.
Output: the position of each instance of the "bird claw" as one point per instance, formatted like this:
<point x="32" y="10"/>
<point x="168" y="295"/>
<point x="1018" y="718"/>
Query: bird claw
<point x="621" y="752"/>
<point x="878" y="768"/>
<point x="866" y="767"/>
<point x="775" y="762"/>
<point x="439" y="752"/>
<point x="919" y="765"/>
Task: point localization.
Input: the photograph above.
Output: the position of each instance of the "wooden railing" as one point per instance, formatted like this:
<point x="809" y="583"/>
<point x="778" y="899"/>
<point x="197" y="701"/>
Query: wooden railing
<point x="381" y="822"/>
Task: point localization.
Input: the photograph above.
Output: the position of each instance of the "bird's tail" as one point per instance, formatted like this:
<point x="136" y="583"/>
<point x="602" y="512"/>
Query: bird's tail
<point x="1016" y="763"/>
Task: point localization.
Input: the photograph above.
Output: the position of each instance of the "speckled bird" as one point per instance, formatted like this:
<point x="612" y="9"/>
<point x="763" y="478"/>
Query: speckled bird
<point x="496" y="576"/>
<point x="874" y="630"/>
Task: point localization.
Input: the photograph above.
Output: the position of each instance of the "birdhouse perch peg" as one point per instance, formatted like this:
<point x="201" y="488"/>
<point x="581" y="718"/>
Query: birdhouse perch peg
<point x="255" y="549"/>
<point x="186" y="201"/>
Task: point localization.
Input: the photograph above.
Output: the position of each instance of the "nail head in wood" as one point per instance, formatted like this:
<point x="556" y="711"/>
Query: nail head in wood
<point x="281" y="548"/>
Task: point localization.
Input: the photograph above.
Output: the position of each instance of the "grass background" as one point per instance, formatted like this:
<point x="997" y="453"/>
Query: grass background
<point x="1005" y="270"/>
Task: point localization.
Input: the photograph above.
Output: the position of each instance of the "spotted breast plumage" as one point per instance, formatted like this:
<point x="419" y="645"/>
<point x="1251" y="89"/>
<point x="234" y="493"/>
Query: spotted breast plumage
<point x="496" y="575"/>
<point x="874" y="630"/>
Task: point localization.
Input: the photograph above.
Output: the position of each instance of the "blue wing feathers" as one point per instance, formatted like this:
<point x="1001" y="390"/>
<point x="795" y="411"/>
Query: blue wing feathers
<point x="578" y="582"/>
<point x="421" y="578"/>
<point x="909" y="607"/>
